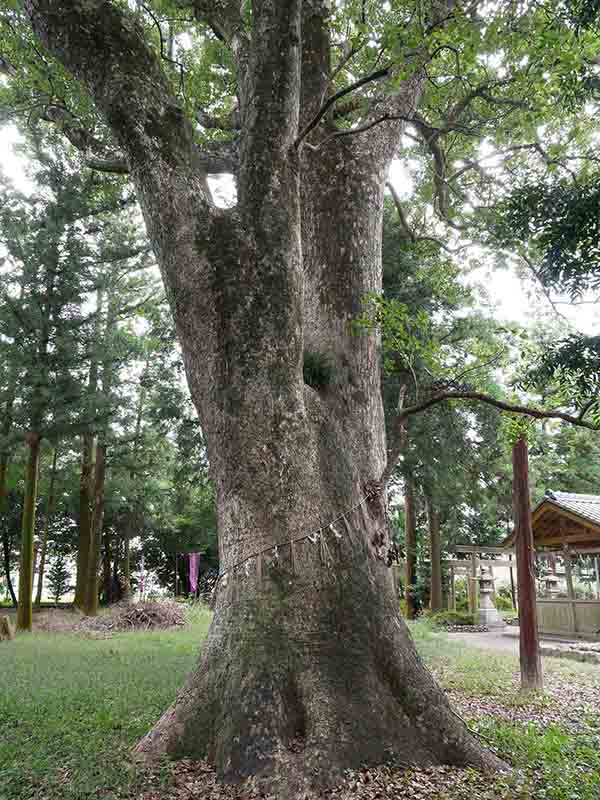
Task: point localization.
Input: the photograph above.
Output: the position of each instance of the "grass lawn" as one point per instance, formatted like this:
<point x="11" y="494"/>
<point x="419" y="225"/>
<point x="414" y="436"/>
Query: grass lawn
<point x="70" y="710"/>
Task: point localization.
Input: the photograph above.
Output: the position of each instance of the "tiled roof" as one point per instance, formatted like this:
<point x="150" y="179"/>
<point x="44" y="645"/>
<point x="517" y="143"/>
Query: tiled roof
<point x="585" y="505"/>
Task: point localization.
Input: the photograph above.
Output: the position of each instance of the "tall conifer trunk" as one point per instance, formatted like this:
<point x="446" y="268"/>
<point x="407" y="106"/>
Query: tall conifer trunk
<point x="6" y="544"/>
<point x="410" y="548"/>
<point x="85" y="518"/>
<point x="90" y="607"/>
<point x="435" y="552"/>
<point x="44" y="543"/>
<point x="25" y="607"/>
<point x="134" y="511"/>
<point x="5" y="430"/>
<point x="86" y="493"/>
<point x="307" y="668"/>
<point x="6" y="547"/>
<point x="99" y="478"/>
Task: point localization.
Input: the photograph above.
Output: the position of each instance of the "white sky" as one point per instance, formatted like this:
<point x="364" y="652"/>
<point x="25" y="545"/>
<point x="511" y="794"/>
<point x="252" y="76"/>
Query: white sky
<point x="509" y="297"/>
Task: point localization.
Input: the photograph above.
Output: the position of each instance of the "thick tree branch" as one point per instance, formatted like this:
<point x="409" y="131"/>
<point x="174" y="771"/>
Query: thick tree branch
<point x="219" y="157"/>
<point x="231" y="122"/>
<point x="398" y="437"/>
<point x="431" y="138"/>
<point x="274" y="79"/>
<point x="116" y="165"/>
<point x="103" y="45"/>
<point x="215" y="158"/>
<point x="401" y="417"/>
<point x="408" y="234"/>
<point x="513" y="408"/>
<point x="482" y="91"/>
<point x="405" y="228"/>
<point x="224" y="17"/>
<point x="312" y="124"/>
<point x="78" y="135"/>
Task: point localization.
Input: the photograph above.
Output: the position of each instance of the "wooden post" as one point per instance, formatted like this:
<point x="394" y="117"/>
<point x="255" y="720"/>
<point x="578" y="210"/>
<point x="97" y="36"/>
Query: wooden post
<point x="491" y="569"/>
<point x="472" y="584"/>
<point x="529" y="648"/>
<point x="451" y="592"/>
<point x="570" y="589"/>
<point x="597" y="571"/>
<point x="513" y="594"/>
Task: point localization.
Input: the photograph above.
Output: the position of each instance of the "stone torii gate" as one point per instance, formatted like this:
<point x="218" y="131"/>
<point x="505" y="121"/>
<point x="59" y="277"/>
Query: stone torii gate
<point x="470" y="568"/>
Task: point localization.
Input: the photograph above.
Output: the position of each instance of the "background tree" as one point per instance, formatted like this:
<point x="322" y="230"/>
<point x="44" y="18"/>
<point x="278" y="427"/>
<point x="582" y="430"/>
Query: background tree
<point x="58" y="577"/>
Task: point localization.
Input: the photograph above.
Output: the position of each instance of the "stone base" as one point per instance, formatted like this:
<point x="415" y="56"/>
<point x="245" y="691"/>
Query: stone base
<point x="491" y="618"/>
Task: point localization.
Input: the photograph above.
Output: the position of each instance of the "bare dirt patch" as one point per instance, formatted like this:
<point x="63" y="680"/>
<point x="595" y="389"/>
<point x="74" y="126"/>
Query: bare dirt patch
<point x="117" y="619"/>
<point x="196" y="780"/>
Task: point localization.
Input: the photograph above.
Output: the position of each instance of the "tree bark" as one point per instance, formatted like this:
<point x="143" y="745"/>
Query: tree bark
<point x="4" y="464"/>
<point x="6" y="546"/>
<point x="126" y="566"/>
<point x="25" y="606"/>
<point x="513" y="593"/>
<point x="92" y="592"/>
<point x="85" y="518"/>
<point x="44" y="543"/>
<point x="308" y="668"/>
<point x="529" y="649"/>
<point x="6" y="543"/>
<point x="435" y="549"/>
<point x="107" y="588"/>
<point x="410" y="546"/>
<point x="90" y="608"/>
<point x="134" y="512"/>
<point x="87" y="469"/>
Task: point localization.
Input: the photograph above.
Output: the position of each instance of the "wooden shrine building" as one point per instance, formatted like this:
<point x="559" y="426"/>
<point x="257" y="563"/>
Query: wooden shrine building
<point x="565" y="527"/>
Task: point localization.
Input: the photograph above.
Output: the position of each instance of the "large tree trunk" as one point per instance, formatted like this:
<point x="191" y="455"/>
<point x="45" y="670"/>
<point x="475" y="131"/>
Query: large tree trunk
<point x="308" y="668"/>
<point x="25" y="607"/>
<point x="435" y="551"/>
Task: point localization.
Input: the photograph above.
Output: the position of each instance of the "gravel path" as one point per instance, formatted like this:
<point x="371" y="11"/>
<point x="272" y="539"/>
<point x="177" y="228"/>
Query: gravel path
<point x="492" y="640"/>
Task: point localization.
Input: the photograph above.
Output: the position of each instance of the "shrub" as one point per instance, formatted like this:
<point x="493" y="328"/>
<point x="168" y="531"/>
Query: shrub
<point x="445" y="619"/>
<point x="503" y="603"/>
<point x="461" y="594"/>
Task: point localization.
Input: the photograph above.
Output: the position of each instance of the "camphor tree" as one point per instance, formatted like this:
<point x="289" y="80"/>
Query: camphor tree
<point x="307" y="668"/>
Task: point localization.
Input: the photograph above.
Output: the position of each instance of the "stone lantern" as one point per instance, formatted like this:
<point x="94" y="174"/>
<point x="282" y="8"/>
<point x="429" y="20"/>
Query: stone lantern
<point x="488" y="614"/>
<point x="551" y="585"/>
